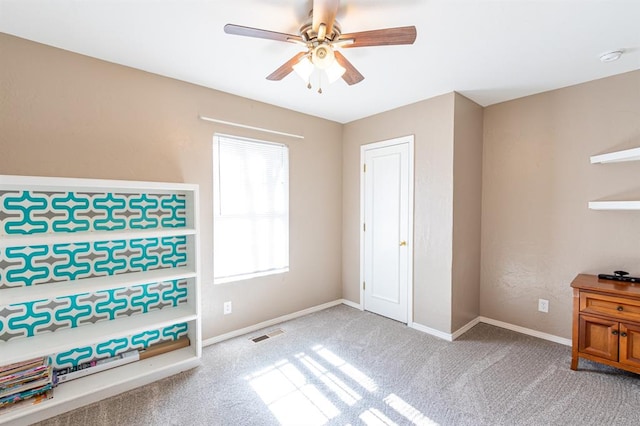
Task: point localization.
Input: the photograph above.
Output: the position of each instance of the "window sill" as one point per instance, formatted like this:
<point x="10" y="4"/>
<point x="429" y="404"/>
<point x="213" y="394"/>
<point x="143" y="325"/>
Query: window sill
<point x="235" y="278"/>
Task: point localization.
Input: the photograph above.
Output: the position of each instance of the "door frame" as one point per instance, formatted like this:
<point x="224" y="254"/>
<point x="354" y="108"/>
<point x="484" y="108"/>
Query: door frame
<point x="409" y="140"/>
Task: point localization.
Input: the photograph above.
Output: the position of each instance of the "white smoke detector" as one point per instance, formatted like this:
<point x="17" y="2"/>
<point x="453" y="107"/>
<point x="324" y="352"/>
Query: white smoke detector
<point x="614" y="55"/>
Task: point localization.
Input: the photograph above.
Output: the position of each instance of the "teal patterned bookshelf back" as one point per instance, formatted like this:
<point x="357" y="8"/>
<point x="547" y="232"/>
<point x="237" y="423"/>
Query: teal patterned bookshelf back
<point x="42" y="264"/>
<point x="37" y="212"/>
<point x="40" y="316"/>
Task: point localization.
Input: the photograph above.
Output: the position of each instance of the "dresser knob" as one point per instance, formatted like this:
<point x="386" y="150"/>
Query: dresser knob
<point x="620" y="308"/>
<point x="614" y="332"/>
<point x="623" y="334"/>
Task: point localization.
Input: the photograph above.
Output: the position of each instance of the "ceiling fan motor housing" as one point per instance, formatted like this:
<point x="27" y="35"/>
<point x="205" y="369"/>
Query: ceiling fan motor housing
<point x="310" y="36"/>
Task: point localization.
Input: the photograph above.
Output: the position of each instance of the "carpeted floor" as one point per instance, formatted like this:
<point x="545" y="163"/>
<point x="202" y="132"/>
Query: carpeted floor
<point x="346" y="367"/>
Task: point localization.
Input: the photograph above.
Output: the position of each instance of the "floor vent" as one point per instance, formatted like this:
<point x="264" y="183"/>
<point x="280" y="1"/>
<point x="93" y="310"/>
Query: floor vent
<point x="274" y="333"/>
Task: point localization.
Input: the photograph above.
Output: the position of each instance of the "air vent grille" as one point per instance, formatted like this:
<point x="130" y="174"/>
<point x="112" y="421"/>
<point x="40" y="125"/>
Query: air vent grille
<point x="273" y="333"/>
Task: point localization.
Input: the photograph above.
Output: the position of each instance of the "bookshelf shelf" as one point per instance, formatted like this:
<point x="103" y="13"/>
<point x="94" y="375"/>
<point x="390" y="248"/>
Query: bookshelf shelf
<point x="97" y="293"/>
<point x="119" y="379"/>
<point x="57" y="184"/>
<point x="90" y="237"/>
<point x="11" y="296"/>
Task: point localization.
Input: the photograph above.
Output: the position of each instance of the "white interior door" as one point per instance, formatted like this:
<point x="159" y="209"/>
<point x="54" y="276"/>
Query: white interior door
<point x="386" y="243"/>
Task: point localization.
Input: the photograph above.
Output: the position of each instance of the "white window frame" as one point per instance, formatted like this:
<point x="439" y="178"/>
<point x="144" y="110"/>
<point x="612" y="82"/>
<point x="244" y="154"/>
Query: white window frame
<point x="217" y="213"/>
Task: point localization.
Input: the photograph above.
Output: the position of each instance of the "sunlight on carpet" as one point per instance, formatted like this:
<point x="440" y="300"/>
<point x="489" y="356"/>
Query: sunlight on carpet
<point x="285" y="390"/>
<point x="407" y="411"/>
<point x="330" y="380"/>
<point x="289" y="391"/>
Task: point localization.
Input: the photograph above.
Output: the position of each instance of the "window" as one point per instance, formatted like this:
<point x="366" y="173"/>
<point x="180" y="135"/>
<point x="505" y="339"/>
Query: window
<point x="251" y="208"/>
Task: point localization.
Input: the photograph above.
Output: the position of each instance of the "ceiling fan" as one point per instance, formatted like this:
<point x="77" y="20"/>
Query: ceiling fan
<point x="321" y="34"/>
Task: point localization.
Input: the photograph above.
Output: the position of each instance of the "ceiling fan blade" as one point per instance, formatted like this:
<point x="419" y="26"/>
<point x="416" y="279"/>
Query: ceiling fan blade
<point x="286" y="68"/>
<point x="382" y="37"/>
<point x="352" y="75"/>
<point x="324" y="12"/>
<point x="258" y="33"/>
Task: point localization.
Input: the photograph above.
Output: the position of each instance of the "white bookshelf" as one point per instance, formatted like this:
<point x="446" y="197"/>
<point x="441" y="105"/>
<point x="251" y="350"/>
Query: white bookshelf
<point x="632" y="154"/>
<point x="180" y="276"/>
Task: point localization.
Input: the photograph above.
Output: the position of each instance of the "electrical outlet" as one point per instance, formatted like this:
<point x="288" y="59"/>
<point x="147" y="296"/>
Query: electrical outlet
<point x="543" y="305"/>
<point x="227" y="308"/>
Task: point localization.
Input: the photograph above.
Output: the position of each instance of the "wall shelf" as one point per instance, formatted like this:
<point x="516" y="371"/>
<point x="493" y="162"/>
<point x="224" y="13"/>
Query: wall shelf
<point x="614" y="205"/>
<point x="632" y="154"/>
<point x="74" y="290"/>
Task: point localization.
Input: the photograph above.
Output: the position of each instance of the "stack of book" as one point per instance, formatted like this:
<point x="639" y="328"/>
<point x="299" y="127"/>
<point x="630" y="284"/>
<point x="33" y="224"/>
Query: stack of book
<point x="25" y="383"/>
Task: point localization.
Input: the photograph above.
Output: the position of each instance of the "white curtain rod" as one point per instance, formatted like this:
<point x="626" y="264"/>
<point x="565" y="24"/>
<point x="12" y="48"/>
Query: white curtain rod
<point x="244" y="126"/>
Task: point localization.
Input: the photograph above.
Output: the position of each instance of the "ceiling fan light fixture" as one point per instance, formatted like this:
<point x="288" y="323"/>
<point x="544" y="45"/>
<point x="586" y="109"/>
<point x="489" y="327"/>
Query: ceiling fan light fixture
<point x="335" y="71"/>
<point x="304" y="68"/>
<point x="322" y="56"/>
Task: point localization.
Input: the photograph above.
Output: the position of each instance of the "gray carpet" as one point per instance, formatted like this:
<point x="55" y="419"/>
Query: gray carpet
<point x="346" y="367"/>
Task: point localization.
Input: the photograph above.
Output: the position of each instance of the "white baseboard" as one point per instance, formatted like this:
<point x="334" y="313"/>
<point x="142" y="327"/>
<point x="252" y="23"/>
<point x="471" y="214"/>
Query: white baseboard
<point x="351" y="304"/>
<point x="527" y="331"/>
<point x="269" y="323"/>
<point x="459" y="332"/>
<point x="432" y="331"/>
<point x="450" y="337"/>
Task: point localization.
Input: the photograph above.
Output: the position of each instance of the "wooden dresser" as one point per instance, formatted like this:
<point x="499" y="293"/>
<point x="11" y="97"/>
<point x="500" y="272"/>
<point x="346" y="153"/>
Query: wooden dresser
<point x="606" y="322"/>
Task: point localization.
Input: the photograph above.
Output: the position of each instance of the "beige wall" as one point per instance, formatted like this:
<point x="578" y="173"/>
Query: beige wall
<point x="537" y="232"/>
<point x="432" y="124"/>
<point x="63" y="114"/>
<point x="467" y="205"/>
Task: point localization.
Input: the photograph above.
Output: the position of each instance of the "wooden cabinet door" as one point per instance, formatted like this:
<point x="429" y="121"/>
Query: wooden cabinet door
<point x="630" y="344"/>
<point x="599" y="337"/>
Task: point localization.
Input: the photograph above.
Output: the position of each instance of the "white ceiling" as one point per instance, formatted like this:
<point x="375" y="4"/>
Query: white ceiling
<point x="488" y="50"/>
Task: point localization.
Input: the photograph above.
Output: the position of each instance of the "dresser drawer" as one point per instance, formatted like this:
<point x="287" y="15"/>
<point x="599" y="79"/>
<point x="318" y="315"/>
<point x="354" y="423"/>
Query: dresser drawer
<point x="617" y="307"/>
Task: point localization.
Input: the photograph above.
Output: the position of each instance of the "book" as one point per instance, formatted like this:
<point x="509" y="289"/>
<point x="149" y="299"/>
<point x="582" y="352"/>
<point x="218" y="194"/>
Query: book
<point x="22" y="365"/>
<point x="95" y="366"/>
<point x="164" y="347"/>
<point x="37" y="398"/>
<point x="25" y="386"/>
<point x="23" y="376"/>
